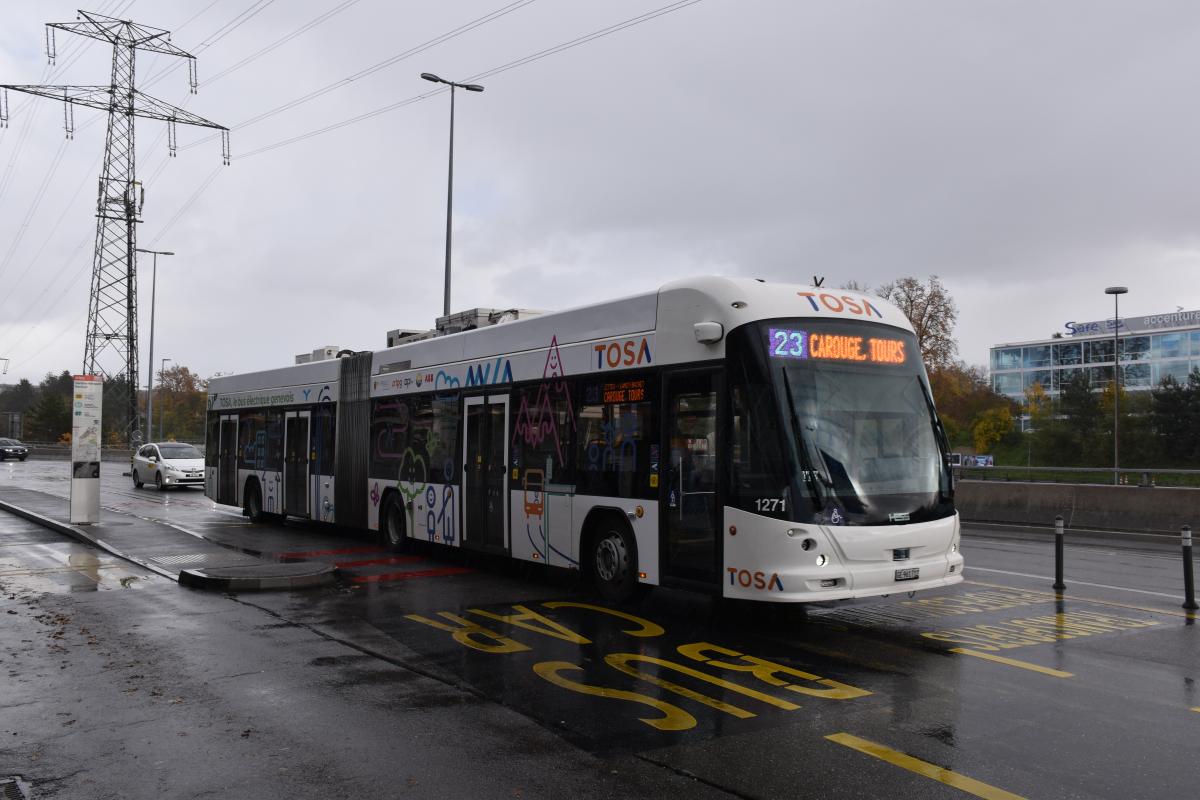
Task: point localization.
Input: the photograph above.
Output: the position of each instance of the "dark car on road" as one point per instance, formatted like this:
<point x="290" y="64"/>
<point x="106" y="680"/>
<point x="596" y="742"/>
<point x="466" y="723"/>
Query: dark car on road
<point x="11" y="448"/>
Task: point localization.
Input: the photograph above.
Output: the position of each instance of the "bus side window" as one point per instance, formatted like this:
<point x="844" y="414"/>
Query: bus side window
<point x="212" y="441"/>
<point x="543" y="430"/>
<point x="274" y="456"/>
<point x="617" y="435"/>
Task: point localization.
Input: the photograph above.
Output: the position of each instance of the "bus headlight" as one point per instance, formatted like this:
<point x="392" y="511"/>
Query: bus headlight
<point x="822" y="560"/>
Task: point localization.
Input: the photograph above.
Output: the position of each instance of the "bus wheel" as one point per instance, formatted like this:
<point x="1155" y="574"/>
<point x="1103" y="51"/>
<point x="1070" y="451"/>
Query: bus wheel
<point x="614" y="562"/>
<point x="392" y="527"/>
<point x="254" y="505"/>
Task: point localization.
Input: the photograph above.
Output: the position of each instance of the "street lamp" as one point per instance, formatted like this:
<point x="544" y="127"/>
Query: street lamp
<point x="150" y="360"/>
<point x="1116" y="292"/>
<point x="161" y="414"/>
<point x="470" y="87"/>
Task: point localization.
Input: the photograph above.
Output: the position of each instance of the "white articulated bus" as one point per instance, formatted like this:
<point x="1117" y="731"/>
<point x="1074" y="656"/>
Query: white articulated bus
<point x="761" y="441"/>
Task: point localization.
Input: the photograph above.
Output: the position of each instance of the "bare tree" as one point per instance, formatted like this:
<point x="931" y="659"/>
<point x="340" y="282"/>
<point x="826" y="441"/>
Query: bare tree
<point x="932" y="312"/>
<point x="855" y="286"/>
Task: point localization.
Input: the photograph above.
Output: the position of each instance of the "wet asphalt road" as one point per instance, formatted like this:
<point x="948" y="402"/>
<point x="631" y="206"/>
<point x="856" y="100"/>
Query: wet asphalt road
<point x="433" y="675"/>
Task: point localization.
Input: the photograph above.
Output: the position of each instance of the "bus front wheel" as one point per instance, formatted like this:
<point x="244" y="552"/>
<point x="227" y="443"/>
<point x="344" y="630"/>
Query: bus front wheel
<point x="392" y="525"/>
<point x="614" y="562"/>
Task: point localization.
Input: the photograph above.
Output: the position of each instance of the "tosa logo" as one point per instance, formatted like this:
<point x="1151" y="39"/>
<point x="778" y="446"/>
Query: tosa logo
<point x="758" y="580"/>
<point x="840" y="304"/>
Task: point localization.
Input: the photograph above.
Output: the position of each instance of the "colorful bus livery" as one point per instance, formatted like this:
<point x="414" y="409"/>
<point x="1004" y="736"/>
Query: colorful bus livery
<point x="717" y="434"/>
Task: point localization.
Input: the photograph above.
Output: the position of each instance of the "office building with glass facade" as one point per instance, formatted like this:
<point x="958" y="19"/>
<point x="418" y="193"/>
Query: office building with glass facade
<point x="1150" y="349"/>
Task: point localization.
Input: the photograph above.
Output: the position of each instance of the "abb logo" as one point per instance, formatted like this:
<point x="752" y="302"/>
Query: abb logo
<point x="839" y="305"/>
<point x="746" y="579"/>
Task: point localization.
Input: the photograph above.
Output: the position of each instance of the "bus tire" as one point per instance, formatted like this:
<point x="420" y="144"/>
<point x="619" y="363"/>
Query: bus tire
<point x="393" y="527"/>
<point x="253" y="503"/>
<point x="612" y="560"/>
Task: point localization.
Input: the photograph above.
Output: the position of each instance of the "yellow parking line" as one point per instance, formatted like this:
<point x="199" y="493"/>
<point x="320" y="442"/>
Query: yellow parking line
<point x="1012" y="662"/>
<point x="968" y="785"/>
<point x="1051" y="597"/>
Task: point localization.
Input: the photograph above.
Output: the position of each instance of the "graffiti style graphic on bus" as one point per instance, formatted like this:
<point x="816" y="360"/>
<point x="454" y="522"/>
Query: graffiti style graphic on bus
<point x="413" y="441"/>
<point x="543" y="427"/>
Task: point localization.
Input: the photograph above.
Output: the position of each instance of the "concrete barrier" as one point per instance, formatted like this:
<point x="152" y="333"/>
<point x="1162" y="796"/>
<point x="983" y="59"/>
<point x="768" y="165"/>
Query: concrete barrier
<point x="1117" y="508"/>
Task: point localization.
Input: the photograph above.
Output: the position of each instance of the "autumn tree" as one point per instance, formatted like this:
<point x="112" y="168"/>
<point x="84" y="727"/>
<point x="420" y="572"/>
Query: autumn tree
<point x="962" y="393"/>
<point x="932" y="312"/>
<point x="991" y="426"/>
<point x="179" y="405"/>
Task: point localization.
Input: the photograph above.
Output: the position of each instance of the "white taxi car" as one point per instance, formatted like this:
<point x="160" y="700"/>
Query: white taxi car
<point x="168" y="464"/>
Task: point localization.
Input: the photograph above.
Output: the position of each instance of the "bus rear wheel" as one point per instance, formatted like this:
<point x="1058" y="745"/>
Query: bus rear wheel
<point x="614" y="562"/>
<point x="254" y="504"/>
<point x="392" y="525"/>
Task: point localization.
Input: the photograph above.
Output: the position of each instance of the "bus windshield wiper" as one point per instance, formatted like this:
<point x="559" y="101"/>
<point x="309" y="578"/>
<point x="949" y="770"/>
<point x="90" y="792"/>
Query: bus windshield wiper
<point x="806" y="463"/>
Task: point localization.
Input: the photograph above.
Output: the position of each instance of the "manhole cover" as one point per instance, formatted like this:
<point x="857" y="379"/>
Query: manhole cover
<point x="13" y="788"/>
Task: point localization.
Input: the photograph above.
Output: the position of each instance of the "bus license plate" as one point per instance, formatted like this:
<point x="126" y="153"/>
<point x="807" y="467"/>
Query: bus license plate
<point x="909" y="574"/>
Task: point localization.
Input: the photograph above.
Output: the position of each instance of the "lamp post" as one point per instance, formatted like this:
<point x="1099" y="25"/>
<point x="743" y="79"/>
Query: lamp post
<point x="1116" y="292"/>
<point x="470" y="87"/>
<point x="150" y="360"/>
<point x="163" y="413"/>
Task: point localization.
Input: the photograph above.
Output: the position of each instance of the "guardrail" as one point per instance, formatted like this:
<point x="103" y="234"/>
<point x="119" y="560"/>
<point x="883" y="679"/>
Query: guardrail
<point x="1142" y="476"/>
<point x="62" y="452"/>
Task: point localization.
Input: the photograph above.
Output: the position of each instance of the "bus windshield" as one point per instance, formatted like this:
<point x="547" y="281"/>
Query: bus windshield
<point x="859" y="437"/>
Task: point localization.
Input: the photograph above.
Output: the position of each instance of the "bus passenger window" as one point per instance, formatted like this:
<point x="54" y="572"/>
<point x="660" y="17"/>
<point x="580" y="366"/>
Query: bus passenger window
<point x="543" y="430"/>
<point x="617" y="435"/>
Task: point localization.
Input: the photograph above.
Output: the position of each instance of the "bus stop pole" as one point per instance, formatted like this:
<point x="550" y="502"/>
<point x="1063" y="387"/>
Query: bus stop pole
<point x="1058" y="554"/>
<point x="1189" y="583"/>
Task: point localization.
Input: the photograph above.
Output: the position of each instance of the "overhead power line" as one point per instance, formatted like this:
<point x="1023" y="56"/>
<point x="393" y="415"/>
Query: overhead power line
<point x="371" y="70"/>
<point x="520" y="62"/>
<point x="305" y="28"/>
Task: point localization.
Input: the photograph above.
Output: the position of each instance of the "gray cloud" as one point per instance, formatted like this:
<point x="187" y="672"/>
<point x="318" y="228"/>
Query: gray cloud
<point x="1030" y="154"/>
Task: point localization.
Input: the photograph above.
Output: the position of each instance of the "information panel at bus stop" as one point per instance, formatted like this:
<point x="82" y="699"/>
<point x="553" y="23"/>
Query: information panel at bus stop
<point x="85" y="449"/>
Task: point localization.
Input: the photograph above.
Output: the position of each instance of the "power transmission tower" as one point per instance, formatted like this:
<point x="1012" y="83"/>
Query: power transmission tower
<point x="111" y="345"/>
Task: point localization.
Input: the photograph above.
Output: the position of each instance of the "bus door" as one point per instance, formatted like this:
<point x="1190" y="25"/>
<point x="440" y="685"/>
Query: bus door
<point x="227" y="461"/>
<point x="690" y="513"/>
<point x="485" y="473"/>
<point x="295" y="463"/>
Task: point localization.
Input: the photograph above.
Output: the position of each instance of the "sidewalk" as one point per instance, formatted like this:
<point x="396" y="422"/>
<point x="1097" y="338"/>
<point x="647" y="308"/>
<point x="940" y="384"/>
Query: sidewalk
<point x="166" y="549"/>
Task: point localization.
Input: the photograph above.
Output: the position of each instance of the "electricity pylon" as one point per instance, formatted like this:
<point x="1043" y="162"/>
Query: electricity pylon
<point x="111" y="345"/>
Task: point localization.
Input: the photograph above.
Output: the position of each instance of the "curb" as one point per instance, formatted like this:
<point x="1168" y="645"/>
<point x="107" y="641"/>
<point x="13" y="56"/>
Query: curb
<point x="47" y="522"/>
<point x="300" y="575"/>
<point x="303" y="575"/>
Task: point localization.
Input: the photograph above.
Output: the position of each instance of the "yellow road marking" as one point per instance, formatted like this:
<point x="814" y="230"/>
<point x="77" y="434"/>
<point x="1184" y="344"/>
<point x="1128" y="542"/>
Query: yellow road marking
<point x="1050" y="597"/>
<point x="968" y="785"/>
<point x="1012" y="662"/>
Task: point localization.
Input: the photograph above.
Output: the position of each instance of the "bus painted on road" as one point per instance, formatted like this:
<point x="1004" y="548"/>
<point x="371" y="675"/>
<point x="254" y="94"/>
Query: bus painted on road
<point x="760" y="441"/>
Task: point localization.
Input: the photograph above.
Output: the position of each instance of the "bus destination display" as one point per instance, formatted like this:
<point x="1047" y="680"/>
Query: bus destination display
<point x="627" y="392"/>
<point x="790" y="343"/>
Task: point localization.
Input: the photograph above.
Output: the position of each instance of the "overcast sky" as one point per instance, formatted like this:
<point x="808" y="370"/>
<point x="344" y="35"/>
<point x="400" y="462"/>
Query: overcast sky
<point x="1029" y="153"/>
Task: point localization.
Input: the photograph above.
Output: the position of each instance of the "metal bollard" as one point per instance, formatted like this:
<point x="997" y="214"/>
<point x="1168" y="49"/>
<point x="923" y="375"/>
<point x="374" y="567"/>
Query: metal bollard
<point x="1058" y="554"/>
<point x="1189" y="583"/>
